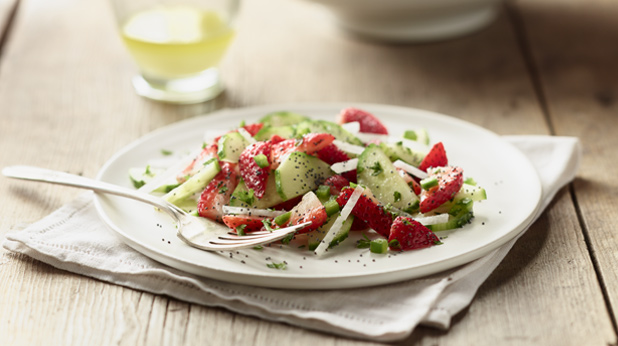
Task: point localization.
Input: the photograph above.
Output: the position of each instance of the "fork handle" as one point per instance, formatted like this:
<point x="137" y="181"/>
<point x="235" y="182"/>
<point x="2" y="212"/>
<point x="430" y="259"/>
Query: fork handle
<point x="61" y="178"/>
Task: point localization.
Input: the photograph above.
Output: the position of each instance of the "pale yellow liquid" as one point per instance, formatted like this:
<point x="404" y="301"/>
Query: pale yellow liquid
<point x="176" y="41"/>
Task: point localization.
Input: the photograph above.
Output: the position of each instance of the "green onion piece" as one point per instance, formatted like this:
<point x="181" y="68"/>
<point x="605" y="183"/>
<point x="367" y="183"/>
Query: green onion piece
<point x="283" y="218"/>
<point x="279" y="266"/>
<point x="410" y="134"/>
<point x="261" y="160"/>
<point x="470" y="181"/>
<point x="428" y="183"/>
<point x="331" y="206"/>
<point x="378" y="245"/>
<point x="323" y="192"/>
<point x="240" y="230"/>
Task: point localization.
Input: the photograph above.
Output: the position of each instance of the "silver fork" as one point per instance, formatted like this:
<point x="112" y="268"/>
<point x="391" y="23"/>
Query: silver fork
<point x="196" y="231"/>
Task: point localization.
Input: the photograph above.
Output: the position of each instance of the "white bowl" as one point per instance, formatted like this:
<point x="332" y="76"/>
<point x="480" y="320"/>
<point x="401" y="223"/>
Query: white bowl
<point x="412" y="20"/>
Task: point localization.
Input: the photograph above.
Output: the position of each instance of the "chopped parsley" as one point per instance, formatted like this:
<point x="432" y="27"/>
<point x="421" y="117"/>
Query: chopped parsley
<point x="364" y="243"/>
<point x="240" y="230"/>
<point x="280" y="266"/>
<point x="376" y="168"/>
<point x="166" y="152"/>
<point x="397" y="196"/>
<point x="245" y="196"/>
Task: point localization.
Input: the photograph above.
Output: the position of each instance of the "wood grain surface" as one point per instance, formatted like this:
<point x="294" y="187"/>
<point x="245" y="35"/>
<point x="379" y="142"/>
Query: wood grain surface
<point x="543" y="67"/>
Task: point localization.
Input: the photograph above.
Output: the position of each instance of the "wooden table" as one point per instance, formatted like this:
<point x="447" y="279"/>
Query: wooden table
<point x="544" y="67"/>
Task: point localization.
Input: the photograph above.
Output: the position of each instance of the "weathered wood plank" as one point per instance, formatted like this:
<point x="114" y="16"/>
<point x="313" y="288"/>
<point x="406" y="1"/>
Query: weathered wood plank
<point x="579" y="77"/>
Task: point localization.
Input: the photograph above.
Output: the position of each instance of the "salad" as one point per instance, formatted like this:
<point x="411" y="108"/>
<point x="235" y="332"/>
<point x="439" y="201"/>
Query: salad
<point x="344" y="176"/>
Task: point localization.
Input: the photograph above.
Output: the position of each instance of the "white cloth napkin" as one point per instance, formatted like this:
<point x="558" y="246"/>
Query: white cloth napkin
<point x="74" y="239"/>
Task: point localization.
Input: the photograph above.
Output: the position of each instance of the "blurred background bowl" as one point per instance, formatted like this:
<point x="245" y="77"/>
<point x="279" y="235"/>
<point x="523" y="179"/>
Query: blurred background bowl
<point x="412" y="20"/>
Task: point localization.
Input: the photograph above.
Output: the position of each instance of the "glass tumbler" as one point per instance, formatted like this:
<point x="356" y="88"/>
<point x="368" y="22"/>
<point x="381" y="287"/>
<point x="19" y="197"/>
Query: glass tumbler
<point x="177" y="45"/>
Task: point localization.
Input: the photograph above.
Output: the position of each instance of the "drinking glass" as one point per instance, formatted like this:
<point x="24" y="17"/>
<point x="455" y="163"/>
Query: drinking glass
<point x="177" y="45"/>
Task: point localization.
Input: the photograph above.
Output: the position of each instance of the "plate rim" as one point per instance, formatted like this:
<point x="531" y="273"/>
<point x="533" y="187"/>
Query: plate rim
<point x="280" y="280"/>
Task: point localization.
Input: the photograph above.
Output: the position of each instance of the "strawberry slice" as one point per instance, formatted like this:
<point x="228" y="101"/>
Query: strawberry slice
<point x="309" y="209"/>
<point x="369" y="210"/>
<point x="218" y="191"/>
<point x="254" y="175"/>
<point x="369" y="123"/>
<point x="336" y="183"/>
<point x="331" y="154"/>
<point x="253" y="129"/>
<point x="310" y="143"/>
<point x="436" y="157"/>
<point x="252" y="223"/>
<point x="410" y="235"/>
<point x="450" y="180"/>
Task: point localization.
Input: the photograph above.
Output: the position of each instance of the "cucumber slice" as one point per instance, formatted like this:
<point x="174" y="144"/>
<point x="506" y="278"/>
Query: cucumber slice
<point x="419" y="135"/>
<point x="460" y="214"/>
<point x="282" y="118"/>
<point x="283" y="131"/>
<point x="376" y="172"/>
<point x="299" y="173"/>
<point x="196" y="183"/>
<point x="230" y="146"/>
<point x="397" y="151"/>
<point x="315" y="237"/>
<point x="323" y="126"/>
<point x="473" y="192"/>
<point x="242" y="197"/>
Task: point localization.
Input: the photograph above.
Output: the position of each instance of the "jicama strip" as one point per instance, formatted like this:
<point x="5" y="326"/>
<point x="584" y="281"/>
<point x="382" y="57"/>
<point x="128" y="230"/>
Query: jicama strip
<point x="246" y="135"/>
<point x="344" y="166"/>
<point x="352" y="127"/>
<point x="432" y="220"/>
<point x="410" y="169"/>
<point x="251" y="211"/>
<point x="349" y="148"/>
<point x="345" y="212"/>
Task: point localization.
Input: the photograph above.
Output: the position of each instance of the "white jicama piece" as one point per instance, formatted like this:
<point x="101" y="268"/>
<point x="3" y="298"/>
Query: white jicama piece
<point x="369" y="137"/>
<point x="345" y="212"/>
<point x="344" y="166"/>
<point x="353" y="127"/>
<point x="432" y="220"/>
<point x="349" y="148"/>
<point x="246" y="135"/>
<point x="227" y="209"/>
<point x="412" y="145"/>
<point x="410" y="169"/>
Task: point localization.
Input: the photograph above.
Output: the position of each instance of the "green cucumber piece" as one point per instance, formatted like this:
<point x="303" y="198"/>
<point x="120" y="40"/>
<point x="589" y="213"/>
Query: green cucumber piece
<point x="379" y="245"/>
<point x="267" y="132"/>
<point x="460" y="214"/>
<point x="376" y="171"/>
<point x="474" y="192"/>
<point x="397" y="151"/>
<point x="243" y="197"/>
<point x="196" y="183"/>
<point x="282" y="118"/>
<point x="230" y="146"/>
<point x="419" y="135"/>
<point x="314" y="238"/>
<point x="299" y="173"/>
<point x="323" y="126"/>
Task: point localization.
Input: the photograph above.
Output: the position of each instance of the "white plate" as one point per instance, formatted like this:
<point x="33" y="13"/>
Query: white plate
<point x="511" y="182"/>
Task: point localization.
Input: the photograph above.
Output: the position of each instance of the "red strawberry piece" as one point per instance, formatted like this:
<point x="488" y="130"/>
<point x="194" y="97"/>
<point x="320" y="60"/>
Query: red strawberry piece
<point x="252" y="223"/>
<point x="336" y="183"/>
<point x="310" y="144"/>
<point x="255" y="177"/>
<point x="206" y="154"/>
<point x="289" y="204"/>
<point x="358" y="225"/>
<point x="218" y="191"/>
<point x="410" y="235"/>
<point x="369" y="210"/>
<point x="450" y="180"/>
<point x="331" y="154"/>
<point x="416" y="187"/>
<point x="436" y="157"/>
<point x="314" y="142"/>
<point x="369" y="123"/>
<point x="279" y="150"/>
<point x="253" y="129"/>
<point x="274" y="139"/>
<point x="309" y="209"/>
